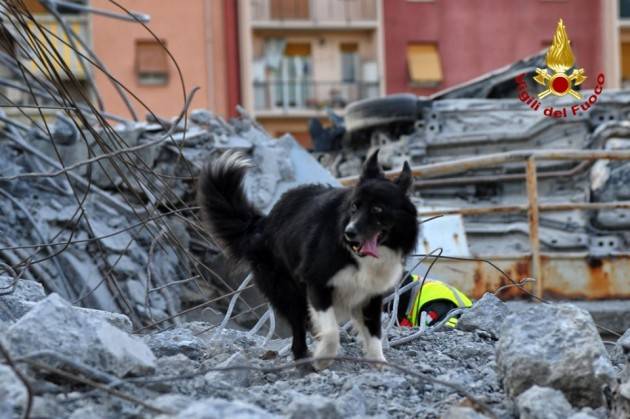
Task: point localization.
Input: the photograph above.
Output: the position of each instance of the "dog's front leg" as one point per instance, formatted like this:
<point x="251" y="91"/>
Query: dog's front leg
<point x="325" y="325"/>
<point x="367" y="321"/>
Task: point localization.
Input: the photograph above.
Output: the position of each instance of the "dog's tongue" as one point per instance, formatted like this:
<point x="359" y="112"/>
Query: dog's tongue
<point x="370" y="247"/>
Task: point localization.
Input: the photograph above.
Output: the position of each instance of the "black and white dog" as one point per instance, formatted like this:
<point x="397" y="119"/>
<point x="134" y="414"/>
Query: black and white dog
<point x="324" y="254"/>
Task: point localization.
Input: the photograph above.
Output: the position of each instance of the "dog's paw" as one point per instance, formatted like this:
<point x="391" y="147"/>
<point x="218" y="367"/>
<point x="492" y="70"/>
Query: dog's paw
<point x="327" y="347"/>
<point x="380" y="365"/>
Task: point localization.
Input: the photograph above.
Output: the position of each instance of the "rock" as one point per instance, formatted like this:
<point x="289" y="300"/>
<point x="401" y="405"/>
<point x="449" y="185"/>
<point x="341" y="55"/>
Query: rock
<point x="175" y="341"/>
<point x="12" y="393"/>
<point x="24" y="289"/>
<point x="221" y="409"/>
<point x="79" y="266"/>
<point x="487" y="314"/>
<point x="64" y="132"/>
<point x="48" y="406"/>
<point x="239" y="378"/>
<point x="621" y="400"/>
<point x="89" y="411"/>
<point x="554" y="346"/>
<point x="313" y="407"/>
<point x="111" y="239"/>
<point x="543" y="403"/>
<point x="124" y="265"/>
<point x="53" y="324"/>
<point x="15" y="298"/>
<point x="172" y="402"/>
<point x="115" y="319"/>
<point x="352" y="403"/>
<point x="202" y="117"/>
<point x="461" y="412"/>
<point x="582" y="415"/>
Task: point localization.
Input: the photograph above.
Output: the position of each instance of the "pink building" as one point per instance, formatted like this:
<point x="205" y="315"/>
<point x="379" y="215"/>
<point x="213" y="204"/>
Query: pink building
<point x="200" y="35"/>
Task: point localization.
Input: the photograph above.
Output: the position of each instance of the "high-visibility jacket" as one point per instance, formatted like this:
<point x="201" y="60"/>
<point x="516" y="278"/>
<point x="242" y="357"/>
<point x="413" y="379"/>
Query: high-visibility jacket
<point x="434" y="291"/>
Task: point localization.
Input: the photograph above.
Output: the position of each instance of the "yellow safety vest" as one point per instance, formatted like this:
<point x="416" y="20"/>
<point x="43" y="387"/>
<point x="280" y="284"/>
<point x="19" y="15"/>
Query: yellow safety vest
<point x="432" y="291"/>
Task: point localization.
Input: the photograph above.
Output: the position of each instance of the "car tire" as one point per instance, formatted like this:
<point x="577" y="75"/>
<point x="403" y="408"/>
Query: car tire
<point x="401" y="109"/>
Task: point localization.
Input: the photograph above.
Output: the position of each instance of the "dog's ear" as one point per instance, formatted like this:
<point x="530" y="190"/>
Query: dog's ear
<point x="371" y="168"/>
<point x="405" y="179"/>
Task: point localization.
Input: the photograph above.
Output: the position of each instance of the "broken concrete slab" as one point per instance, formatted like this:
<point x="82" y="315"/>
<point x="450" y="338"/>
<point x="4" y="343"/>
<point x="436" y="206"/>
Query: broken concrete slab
<point x="487" y="314"/>
<point x="115" y="319"/>
<point x="21" y="289"/>
<point x="15" y="297"/>
<point x="111" y="239"/>
<point x="89" y="281"/>
<point x="621" y="401"/>
<point x="236" y="378"/>
<point x="175" y="341"/>
<point x="54" y="325"/>
<point x="12" y="394"/>
<point x="543" y="403"/>
<point x="554" y="346"/>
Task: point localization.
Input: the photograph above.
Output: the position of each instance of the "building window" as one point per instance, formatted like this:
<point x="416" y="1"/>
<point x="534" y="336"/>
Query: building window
<point x="624" y="9"/>
<point x="625" y="64"/>
<point x="151" y="62"/>
<point x="423" y="62"/>
<point x="291" y="84"/>
<point x="349" y="62"/>
<point x="290" y="9"/>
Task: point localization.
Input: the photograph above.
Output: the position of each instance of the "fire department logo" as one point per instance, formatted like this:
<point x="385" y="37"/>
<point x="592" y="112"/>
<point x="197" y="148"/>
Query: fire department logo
<point x="556" y="77"/>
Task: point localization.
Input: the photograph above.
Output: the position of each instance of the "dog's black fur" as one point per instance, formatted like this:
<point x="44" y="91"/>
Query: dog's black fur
<point x="313" y="233"/>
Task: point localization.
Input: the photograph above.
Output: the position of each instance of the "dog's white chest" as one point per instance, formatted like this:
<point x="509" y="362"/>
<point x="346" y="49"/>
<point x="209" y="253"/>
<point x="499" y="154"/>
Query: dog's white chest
<point x="353" y="285"/>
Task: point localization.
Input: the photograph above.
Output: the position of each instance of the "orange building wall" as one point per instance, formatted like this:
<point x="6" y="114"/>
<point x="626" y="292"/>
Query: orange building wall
<point x="194" y="35"/>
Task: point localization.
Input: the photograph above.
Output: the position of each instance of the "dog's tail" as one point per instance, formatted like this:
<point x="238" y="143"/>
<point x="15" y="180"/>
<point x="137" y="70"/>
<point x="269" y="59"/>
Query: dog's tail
<point x="231" y="217"/>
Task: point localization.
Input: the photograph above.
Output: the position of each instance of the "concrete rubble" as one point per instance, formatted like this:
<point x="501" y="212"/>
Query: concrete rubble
<point x="172" y="372"/>
<point x="556" y="346"/>
<point x="98" y="304"/>
<point x="487" y="314"/>
<point x="134" y="243"/>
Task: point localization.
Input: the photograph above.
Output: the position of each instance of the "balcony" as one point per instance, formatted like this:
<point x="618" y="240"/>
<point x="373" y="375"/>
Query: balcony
<point x="314" y="14"/>
<point x="307" y="97"/>
<point x="59" y="48"/>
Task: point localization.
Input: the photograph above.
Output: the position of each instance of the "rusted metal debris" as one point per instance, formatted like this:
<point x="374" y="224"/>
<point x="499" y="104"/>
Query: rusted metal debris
<point x="469" y="146"/>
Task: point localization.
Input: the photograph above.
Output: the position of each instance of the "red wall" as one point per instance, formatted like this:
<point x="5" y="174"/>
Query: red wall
<point x="477" y="36"/>
<point x="232" y="53"/>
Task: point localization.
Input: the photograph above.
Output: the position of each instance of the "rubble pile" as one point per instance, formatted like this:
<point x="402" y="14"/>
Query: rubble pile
<point x="66" y="352"/>
<point x="119" y="231"/>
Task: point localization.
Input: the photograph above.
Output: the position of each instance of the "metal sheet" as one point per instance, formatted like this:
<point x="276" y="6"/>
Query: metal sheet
<point x="574" y="276"/>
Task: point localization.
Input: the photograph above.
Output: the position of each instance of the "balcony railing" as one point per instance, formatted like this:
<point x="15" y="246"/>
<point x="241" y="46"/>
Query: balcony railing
<point x="303" y="95"/>
<point x="314" y="12"/>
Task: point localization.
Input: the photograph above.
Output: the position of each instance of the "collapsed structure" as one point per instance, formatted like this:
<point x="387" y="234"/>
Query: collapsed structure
<point x="106" y="266"/>
<point x="487" y="135"/>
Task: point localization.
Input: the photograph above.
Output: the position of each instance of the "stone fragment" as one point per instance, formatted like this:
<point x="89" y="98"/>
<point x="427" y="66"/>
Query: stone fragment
<point x="462" y="412"/>
<point x="12" y="393"/>
<point x="54" y="325"/>
<point x="237" y="378"/>
<point x="543" y="403"/>
<point x="554" y="346"/>
<point x="314" y="407"/>
<point x="175" y="341"/>
<point x="487" y="314"/>
<point x="221" y="409"/>
<point x="15" y="297"/>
